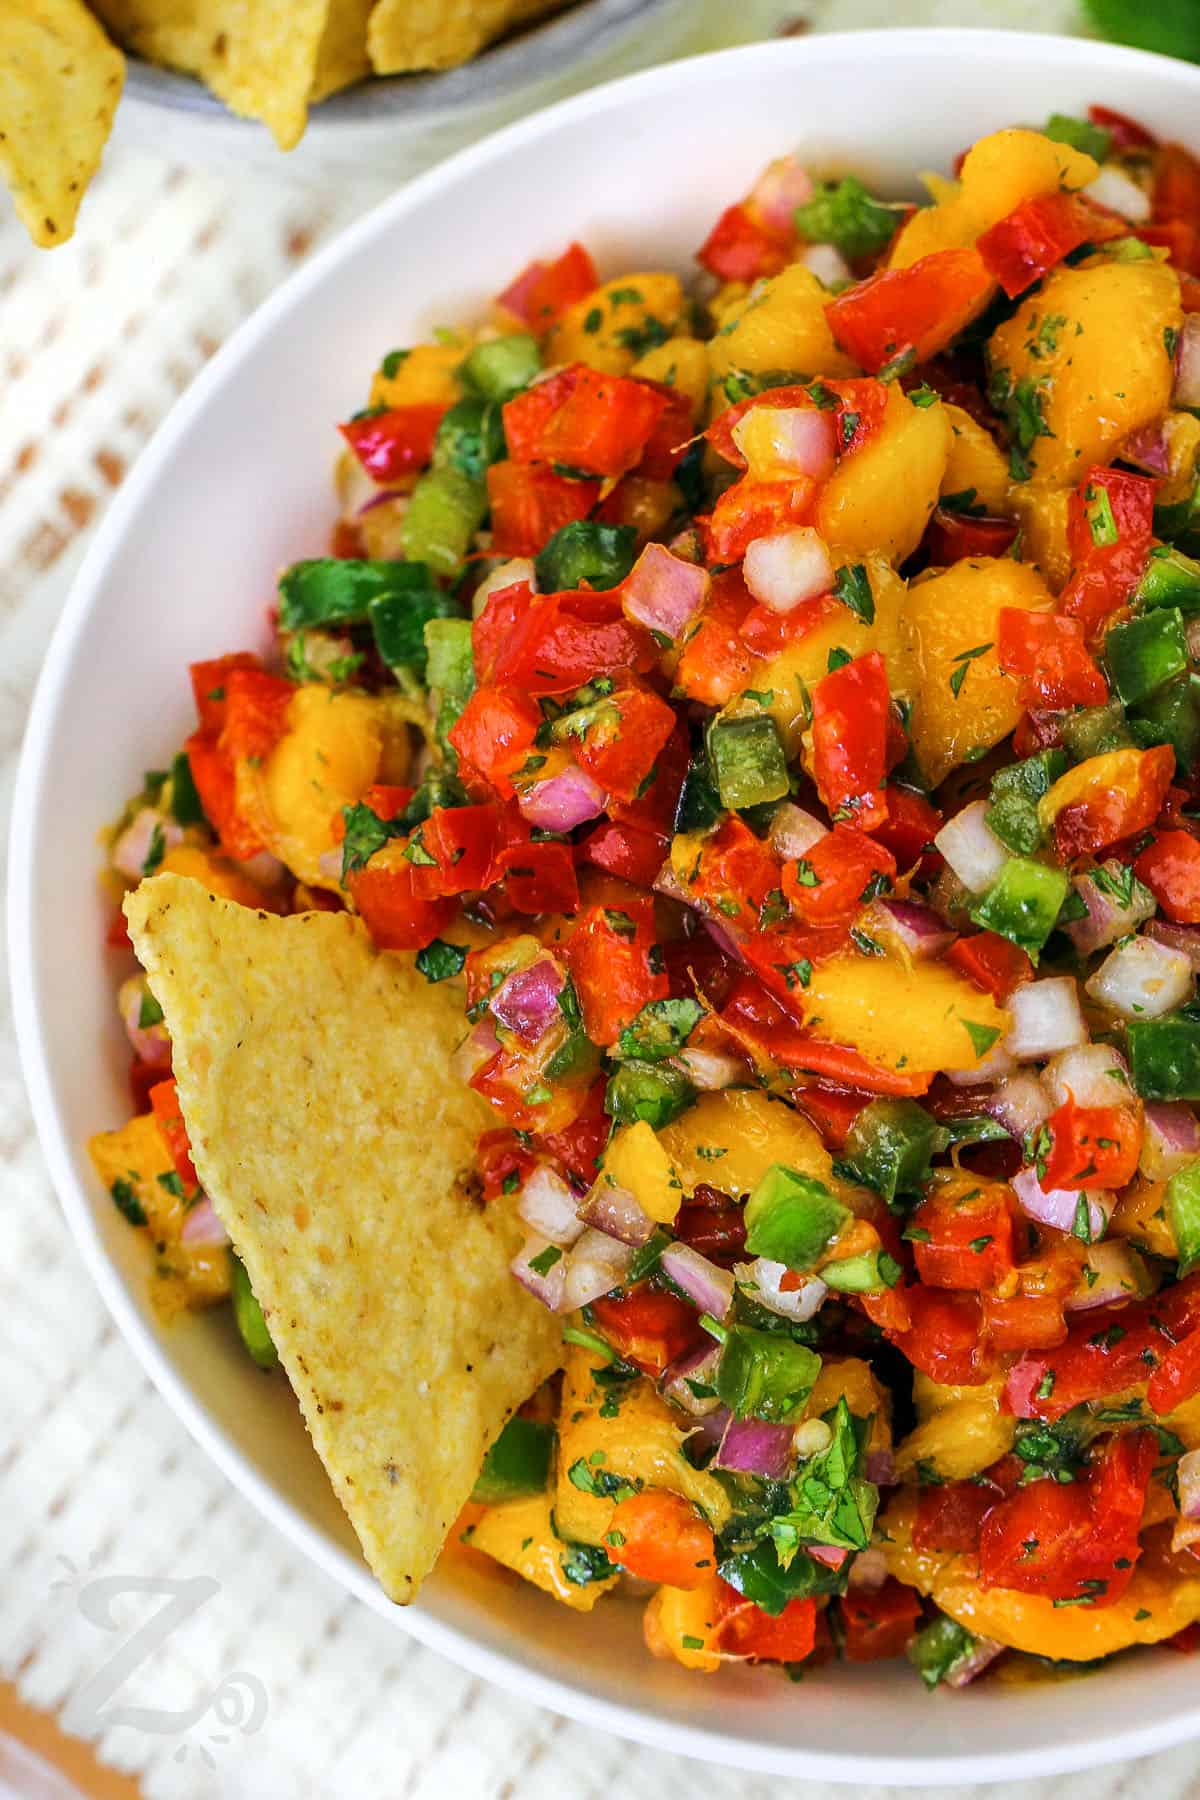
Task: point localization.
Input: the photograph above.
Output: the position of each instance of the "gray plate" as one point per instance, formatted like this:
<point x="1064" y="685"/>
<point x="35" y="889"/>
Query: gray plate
<point x="542" y="51"/>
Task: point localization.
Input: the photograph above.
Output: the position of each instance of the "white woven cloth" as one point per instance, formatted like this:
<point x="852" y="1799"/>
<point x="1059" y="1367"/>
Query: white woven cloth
<point x="97" y="1479"/>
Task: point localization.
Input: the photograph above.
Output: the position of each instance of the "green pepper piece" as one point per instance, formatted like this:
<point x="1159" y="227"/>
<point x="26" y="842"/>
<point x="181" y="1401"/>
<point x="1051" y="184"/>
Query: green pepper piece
<point x="502" y="366"/>
<point x="1081" y="134"/>
<point x="1023" y="903"/>
<point x="1146" y="652"/>
<point x="792" y="1218"/>
<point x="654" y="1092"/>
<point x="585" y="551"/>
<point x="518" y="1462"/>
<point x="445" y="511"/>
<point x="187" y="808"/>
<point x="1170" y="579"/>
<point x="470" y="438"/>
<point x="1164" y="1057"/>
<point x="248" y="1314"/>
<point x="1095" y="730"/>
<point x="450" y="666"/>
<point x="939" y="1649"/>
<point x="1172" y="716"/>
<point x="699" y="805"/>
<point x="843" y="213"/>
<point x="334" y="590"/>
<point x="889" y="1147"/>
<point x="398" y="618"/>
<point x="1183" y="1211"/>
<point x="870" y="1273"/>
<point x="1016" y="790"/>
<point x="765" y="1375"/>
<point x="1180" y="523"/>
<point x="748" y="760"/>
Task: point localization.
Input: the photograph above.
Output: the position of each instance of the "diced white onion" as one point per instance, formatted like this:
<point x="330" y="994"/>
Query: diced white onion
<point x="1189" y="1485"/>
<point x="1095" y="1074"/>
<point x="1105" y="920"/>
<point x="791" y="567"/>
<point x="1046" y="1018"/>
<point x="971" y="848"/>
<point x="762" y="1279"/>
<point x="827" y="264"/>
<point x="793" y="831"/>
<point x="596" y="1264"/>
<point x="1142" y="979"/>
<point x="710" y="1070"/>
<point x="1113" y="1272"/>
<point x="993" y="1067"/>
<point x="1020" y="1103"/>
<point x="1119" y="192"/>
<point x="505" y="574"/>
<point x="547" y="1205"/>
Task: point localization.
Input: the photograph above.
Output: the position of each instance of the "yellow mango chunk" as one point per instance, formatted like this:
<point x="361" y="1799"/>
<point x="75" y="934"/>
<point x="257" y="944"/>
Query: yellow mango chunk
<point x="962" y="1430"/>
<point x="974" y="461"/>
<point x="635" y="1159"/>
<point x="214" y="872"/>
<point x="998" y="173"/>
<point x="1141" y="1216"/>
<point x="1091" y="344"/>
<point x="683" y="1623"/>
<point x="911" y="1017"/>
<point x="851" y="1379"/>
<point x="1114" y="769"/>
<point x="186" y="1275"/>
<point x="610" y="328"/>
<point x="1181" y="431"/>
<point x="682" y="363"/>
<point x="521" y="1535"/>
<point x="779" y="324"/>
<point x="1041" y="507"/>
<point x="641" y="1442"/>
<point x="957" y="716"/>
<point x="880" y="498"/>
<point x="426" y="377"/>
<point x="730" y="1139"/>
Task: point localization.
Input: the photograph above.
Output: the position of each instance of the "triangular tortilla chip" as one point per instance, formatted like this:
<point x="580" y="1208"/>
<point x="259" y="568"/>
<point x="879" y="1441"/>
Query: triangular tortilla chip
<point x="440" y="34"/>
<point x="60" y="80"/>
<point x="337" y="1147"/>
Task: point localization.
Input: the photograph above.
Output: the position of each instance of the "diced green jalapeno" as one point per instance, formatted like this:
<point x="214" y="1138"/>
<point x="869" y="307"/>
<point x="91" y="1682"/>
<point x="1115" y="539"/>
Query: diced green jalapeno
<point x="399" y="617"/>
<point x="1172" y="716"/>
<point x="654" y="1092"/>
<point x="1081" y="134"/>
<point x="445" y="511"/>
<point x="1170" y="579"/>
<point x="450" y="665"/>
<point x="501" y="367"/>
<point x="748" y="760"/>
<point x="792" y="1218"/>
<point x="699" y="805"/>
<point x="1023" y="903"/>
<point x="1016" y="790"/>
<point x="585" y="551"/>
<point x="517" y="1463"/>
<point x="1183" y="1211"/>
<point x="470" y="438"/>
<point x="939" y="1649"/>
<point x="1164" y="1057"/>
<point x="870" y="1273"/>
<point x="765" y="1375"/>
<point x="334" y="590"/>
<point x="252" y="1326"/>
<point x="1180" y="523"/>
<point x="186" y="805"/>
<point x="1145" y="653"/>
<point x="1095" y="730"/>
<point x="889" y="1147"/>
<point x="845" y="214"/>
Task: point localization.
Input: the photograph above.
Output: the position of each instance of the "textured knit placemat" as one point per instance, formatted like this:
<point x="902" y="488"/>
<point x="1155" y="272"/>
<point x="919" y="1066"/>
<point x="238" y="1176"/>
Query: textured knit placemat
<point x="254" y="1677"/>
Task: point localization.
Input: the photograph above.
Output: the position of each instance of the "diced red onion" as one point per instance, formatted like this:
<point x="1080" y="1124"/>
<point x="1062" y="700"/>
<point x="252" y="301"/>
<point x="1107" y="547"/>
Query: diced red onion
<point x="710" y="1427"/>
<point x="783" y="185"/>
<point x="1020" y="1104"/>
<point x="596" y="1264"/>
<point x="563" y="801"/>
<point x="994" y="1065"/>
<point x="1114" y="1272"/>
<point x="917" y="928"/>
<point x="547" y="1206"/>
<point x="1094" y="1075"/>
<point x="723" y="938"/>
<point x="1188" y="1471"/>
<point x="793" y="831"/>
<point x="832" y="1555"/>
<point x="1187" y="363"/>
<point x="1119" y="193"/>
<point x="756" y="1447"/>
<point x="1147" y="449"/>
<point x="869" y="1570"/>
<point x="827" y="264"/>
<point x="329" y="863"/>
<point x="799" y="439"/>
<point x="971" y="849"/>
<point x="263" y="869"/>
<point x="548" y="1287"/>
<point x="615" y="1211"/>
<point x="790" y="567"/>
<point x="667" y="882"/>
<point x="1106" y="921"/>
<point x="698" y="1365"/>
<point x="202" y="1227"/>
<point x="1171" y="1140"/>
<point x="381" y="497"/>
<point x="710" y="1288"/>
<point x="151" y="1044"/>
<point x="983" y="1654"/>
<point x="1142" y="979"/>
<point x="1046" y="1018"/>
<point x="762" y="1278"/>
<point x="527" y="1002"/>
<point x="710" y="1070"/>
<point x="664" y="592"/>
<point x="131" y="849"/>
<point x="880" y="1467"/>
<point x="505" y="575"/>
<point x="1060" y="1206"/>
<point x="1184" y="938"/>
<point x="476" y="1050"/>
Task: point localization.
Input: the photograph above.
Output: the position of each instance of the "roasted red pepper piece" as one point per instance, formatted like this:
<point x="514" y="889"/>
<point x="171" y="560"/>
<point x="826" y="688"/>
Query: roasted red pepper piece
<point x="991" y="962"/>
<point x="1104" y="574"/>
<point x="910" y="313"/>
<point x="964" y="1241"/>
<point x="850" y="733"/>
<point x="612" y="957"/>
<point x="596" y="423"/>
<point x="828" y="885"/>
<point x="543" y="291"/>
<point x="529" y="504"/>
<point x="164" y="1103"/>
<point x="945" y="1339"/>
<point x="539" y="878"/>
<point x="738" y="248"/>
<point x="878" y="1624"/>
<point x="1026" y="245"/>
<point x="494" y="733"/>
<point x="1107" y="1351"/>
<point x="648" y="1326"/>
<point x="1170" y="868"/>
<point x="1094" y="1147"/>
<point x="1048" y="653"/>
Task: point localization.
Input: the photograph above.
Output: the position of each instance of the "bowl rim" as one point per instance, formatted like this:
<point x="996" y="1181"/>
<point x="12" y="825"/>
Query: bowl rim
<point x="563" y="1694"/>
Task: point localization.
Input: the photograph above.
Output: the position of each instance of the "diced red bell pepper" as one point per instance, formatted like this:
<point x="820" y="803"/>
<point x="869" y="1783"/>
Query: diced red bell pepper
<point x="559" y="641"/>
<point x="579" y="1145"/>
<point x="738" y="248"/>
<point x="878" y="1623"/>
<point x="611" y="956"/>
<point x="648" y="1326"/>
<point x="715" y="663"/>
<point x="1077" y="1541"/>
<point x="1177" y="1377"/>
<point x="910" y="313"/>
<point x="949" y="1517"/>
<point x="1024" y="1321"/>
<point x="951" y="536"/>
<point x="832" y="1110"/>
<point x="753" y="509"/>
<point x="1103" y="573"/>
<point x="216" y="784"/>
<point x="1027" y="244"/>
<point x="735" y="874"/>
<point x="945" y="1340"/>
<point x="208" y="686"/>
<point x="164" y="1103"/>
<point x="746" y="1630"/>
<point x="1176" y="184"/>
<point x="464" y="843"/>
<point x="625" y="850"/>
<point x="654" y="808"/>
<point x="1107" y="1351"/>
<point x="1179" y="238"/>
<point x="1170" y="868"/>
<point x="596" y="423"/>
<point x="1049" y="655"/>
<point x="766" y="632"/>
<point x="1127" y="133"/>
<point x="828" y="884"/>
<point x="543" y="291"/>
<point x="964" y="1241"/>
<point x="143" y="1078"/>
<point x="621" y="746"/>
<point x="908" y="832"/>
<point x="256" y="713"/>
<point x="1120" y="810"/>
<point x="494" y="733"/>
<point x="1095" y="1147"/>
<point x="991" y="962"/>
<point x="394" y="914"/>
<point x="670" y="436"/>
<point x="539" y="878"/>
<point x="503" y="1162"/>
<point x="529" y="504"/>
<point x="851" y="717"/>
<point x="396" y="442"/>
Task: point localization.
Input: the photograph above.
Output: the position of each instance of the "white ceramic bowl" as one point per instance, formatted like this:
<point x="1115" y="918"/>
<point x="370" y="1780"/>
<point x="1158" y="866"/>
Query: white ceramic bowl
<point x="236" y="484"/>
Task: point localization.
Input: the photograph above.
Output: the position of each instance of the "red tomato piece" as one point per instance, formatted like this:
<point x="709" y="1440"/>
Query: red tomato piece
<point x="597" y="423"/>
<point x="579" y="1145"/>
<point x="1024" y="1321"/>
<point x="1048" y="652"/>
<point x="1104" y="573"/>
<point x="1027" y="244"/>
<point x="494" y="733"/>
<point x="753" y="509"/>
<point x="1094" y="1147"/>
<point x="625" y="850"/>
<point x="560" y="641"/>
<point x="970" y="1239"/>
<point x="164" y="1103"/>
<point x="951" y="536"/>
<point x="670" y="437"/>
<point x="216" y="784"/>
<point x="1170" y="868"/>
<point x="397" y="917"/>
<point x="909" y="830"/>
<point x="1109" y="1350"/>
<point x="530" y="504"/>
<point x="766" y="633"/>
<point x="832" y="1110"/>
<point x="653" y="809"/>
<point x="396" y="442"/>
<point x="1109" y="814"/>
<point x="609" y="954"/>
<point x="1177" y="1377"/>
<point x="715" y="663"/>
<point x="945" y="1339"/>
<point x="878" y="1624"/>
<point x="620" y="748"/>
<point x="739" y="249"/>
<point x="788" y="1636"/>
<point x="851" y="715"/>
<point x="543" y="291"/>
<point x="736" y="874"/>
<point x="464" y="842"/>
<point x="659" y="1536"/>
<point x="648" y="1326"/>
<point x="828" y="885"/>
<point x="256" y="712"/>
<point x="208" y="686"/>
<point x="910" y="313"/>
<point x="539" y="878"/>
<point x="503" y="1162"/>
<point x="991" y="962"/>
<point x="949" y="1517"/>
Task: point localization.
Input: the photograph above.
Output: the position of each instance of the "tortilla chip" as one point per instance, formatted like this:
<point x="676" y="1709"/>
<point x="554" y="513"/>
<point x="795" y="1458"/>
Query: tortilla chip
<point x="342" y="56"/>
<point x="439" y="34"/>
<point x="260" y="59"/>
<point x="60" y="80"/>
<point x="337" y="1148"/>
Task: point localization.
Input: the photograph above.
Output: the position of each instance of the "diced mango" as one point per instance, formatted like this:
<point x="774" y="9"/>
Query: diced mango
<point x="916" y="1018"/>
<point x="683" y="1623"/>
<point x="962" y="1430"/>
<point x="1141" y="1216"/>
<point x="521" y="1535"/>
<point x="779" y="324"/>
<point x="610" y="328"/>
<point x="186" y="1275"/>
<point x="974" y="462"/>
<point x="1041" y="508"/>
<point x="217" y="874"/>
<point x="635" y="1159"/>
<point x="426" y="377"/>
<point x="852" y="1379"/>
<point x="682" y="363"/>
<point x="730" y="1139"/>
<point x="880" y="498"/>
<point x="998" y="173"/>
